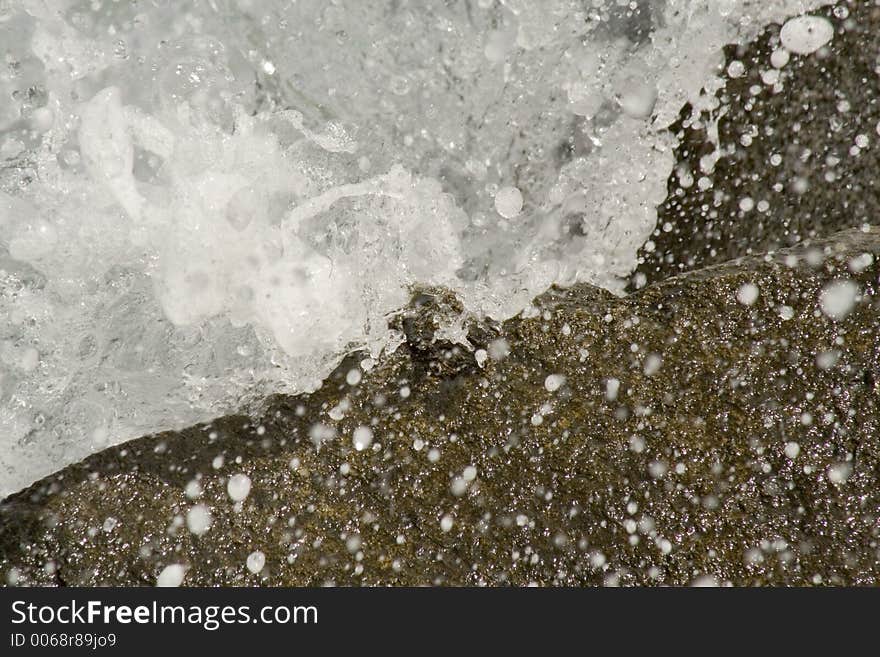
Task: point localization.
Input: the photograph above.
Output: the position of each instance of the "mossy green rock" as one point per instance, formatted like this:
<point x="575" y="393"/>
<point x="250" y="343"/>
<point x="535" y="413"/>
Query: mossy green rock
<point x="683" y="436"/>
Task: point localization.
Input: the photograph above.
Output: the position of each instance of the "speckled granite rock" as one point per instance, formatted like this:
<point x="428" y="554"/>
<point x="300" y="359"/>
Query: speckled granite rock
<point x="672" y="436"/>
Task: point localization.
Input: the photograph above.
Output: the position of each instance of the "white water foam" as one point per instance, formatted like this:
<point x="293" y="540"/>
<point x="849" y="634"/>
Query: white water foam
<point x="204" y="202"/>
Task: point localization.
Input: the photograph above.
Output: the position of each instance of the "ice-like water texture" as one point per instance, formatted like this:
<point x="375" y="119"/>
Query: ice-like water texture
<point x="204" y="201"/>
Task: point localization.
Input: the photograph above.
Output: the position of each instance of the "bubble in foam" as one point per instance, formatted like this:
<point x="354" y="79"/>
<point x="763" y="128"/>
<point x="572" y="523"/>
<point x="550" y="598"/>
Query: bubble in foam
<point x="172" y="575"/>
<point x="362" y="438"/>
<point x="256" y="561"/>
<point x="838" y="473"/>
<point x="638" y="99"/>
<point x="747" y="294"/>
<point x="508" y="202"/>
<point x="199" y="519"/>
<point x="553" y="382"/>
<point x="804" y="35"/>
<point x="779" y="58"/>
<point x="238" y="487"/>
<point x="838" y="298"/>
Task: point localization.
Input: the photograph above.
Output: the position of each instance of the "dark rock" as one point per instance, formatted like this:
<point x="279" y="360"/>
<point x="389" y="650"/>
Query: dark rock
<point x="662" y="451"/>
<point x="789" y="146"/>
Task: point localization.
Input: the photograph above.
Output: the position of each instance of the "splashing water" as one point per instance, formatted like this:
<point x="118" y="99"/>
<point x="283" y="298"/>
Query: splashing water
<point x="200" y="205"/>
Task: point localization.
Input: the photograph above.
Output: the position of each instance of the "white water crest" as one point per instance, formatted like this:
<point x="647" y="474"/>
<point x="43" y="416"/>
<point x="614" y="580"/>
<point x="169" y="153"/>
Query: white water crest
<point x="203" y="202"/>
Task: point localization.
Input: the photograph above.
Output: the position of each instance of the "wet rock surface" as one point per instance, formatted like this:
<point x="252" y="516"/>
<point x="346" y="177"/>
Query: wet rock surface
<point x="781" y="153"/>
<point x="720" y="426"/>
